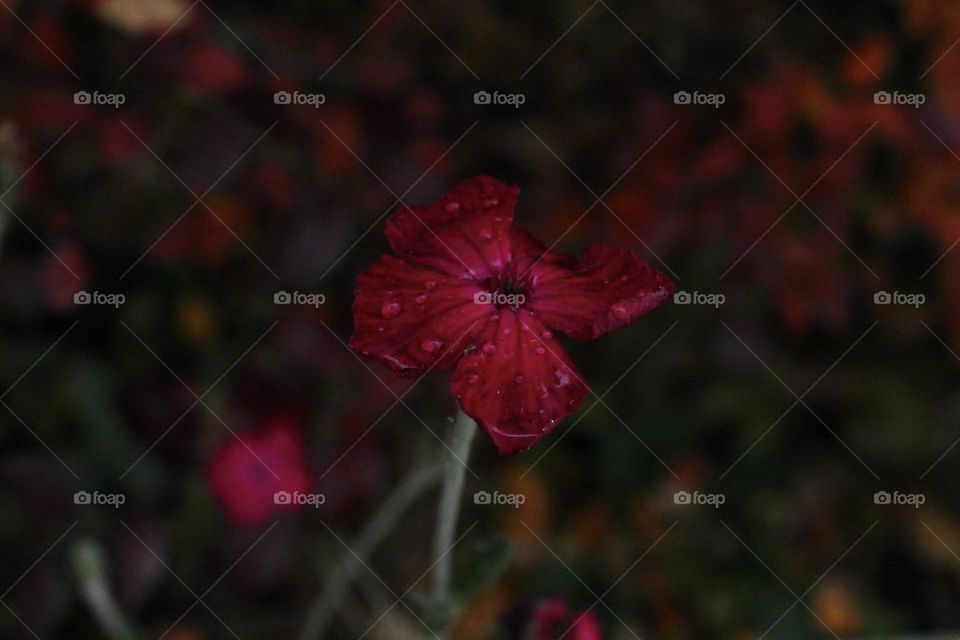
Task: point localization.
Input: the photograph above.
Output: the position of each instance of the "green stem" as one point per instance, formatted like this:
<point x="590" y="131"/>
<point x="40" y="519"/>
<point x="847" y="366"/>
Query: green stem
<point x="449" y="510"/>
<point x="89" y="562"/>
<point x="373" y="533"/>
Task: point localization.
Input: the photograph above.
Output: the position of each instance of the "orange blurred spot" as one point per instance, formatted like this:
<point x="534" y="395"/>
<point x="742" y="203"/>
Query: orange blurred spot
<point x="838" y="608"/>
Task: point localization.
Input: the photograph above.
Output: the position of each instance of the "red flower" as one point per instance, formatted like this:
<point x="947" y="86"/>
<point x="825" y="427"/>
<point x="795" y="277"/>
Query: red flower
<point x="552" y="620"/>
<point x="245" y="476"/>
<point x="469" y="289"/>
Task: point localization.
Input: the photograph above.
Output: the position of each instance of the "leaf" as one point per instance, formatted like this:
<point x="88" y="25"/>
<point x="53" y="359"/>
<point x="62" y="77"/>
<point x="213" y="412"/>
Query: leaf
<point x="481" y="566"/>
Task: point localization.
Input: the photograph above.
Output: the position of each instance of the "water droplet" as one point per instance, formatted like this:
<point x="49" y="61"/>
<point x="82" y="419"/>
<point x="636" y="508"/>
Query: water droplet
<point x="620" y="311"/>
<point x="518" y="379"/>
<point x="490" y="203"/>
<point x="472" y="378"/>
<point x="489" y="347"/>
<point x="390" y="309"/>
<point x="540" y="351"/>
<point x="421" y="298"/>
<point x="430" y="285"/>
<point x="547" y="334"/>
<point x="452" y="206"/>
<point x="486" y="235"/>
<point x="430" y="345"/>
<point x="506" y="331"/>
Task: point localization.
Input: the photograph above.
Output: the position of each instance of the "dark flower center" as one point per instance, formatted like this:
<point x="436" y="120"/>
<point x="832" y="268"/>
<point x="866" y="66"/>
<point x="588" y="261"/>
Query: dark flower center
<point x="507" y="291"/>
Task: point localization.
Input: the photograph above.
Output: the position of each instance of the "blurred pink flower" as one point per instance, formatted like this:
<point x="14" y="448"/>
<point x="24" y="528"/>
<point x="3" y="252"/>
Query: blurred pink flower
<point x="246" y="476"/>
<point x="552" y="620"/>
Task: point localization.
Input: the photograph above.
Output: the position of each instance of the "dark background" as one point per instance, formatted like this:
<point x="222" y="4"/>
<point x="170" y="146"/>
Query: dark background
<point x="294" y="199"/>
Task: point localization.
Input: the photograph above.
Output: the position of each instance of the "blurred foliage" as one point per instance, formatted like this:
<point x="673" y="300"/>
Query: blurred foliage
<point x="199" y="198"/>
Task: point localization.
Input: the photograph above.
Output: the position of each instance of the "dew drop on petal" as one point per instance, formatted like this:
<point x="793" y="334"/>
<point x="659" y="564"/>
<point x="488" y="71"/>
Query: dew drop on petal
<point x="620" y="311"/>
<point x="518" y="379"/>
<point x="390" y="309"/>
<point x="489" y="203"/>
<point x="506" y="331"/>
<point x="472" y="378"/>
<point x="430" y="285"/>
<point x="540" y="351"/>
<point x="452" y="206"/>
<point x="421" y="298"/>
<point x="489" y="347"/>
<point x="430" y="345"/>
<point x="547" y="334"/>
<point x="486" y="235"/>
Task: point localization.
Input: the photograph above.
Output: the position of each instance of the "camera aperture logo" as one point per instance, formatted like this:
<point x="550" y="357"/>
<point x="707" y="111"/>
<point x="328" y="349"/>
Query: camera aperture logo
<point x="96" y="498"/>
<point x="497" y="498"/>
<point x="697" y="98"/>
<point x="897" y="498"/>
<point x="499" y="298"/>
<point x="298" y="98"/>
<point x="96" y="98"/>
<point x="896" y="98"/>
<point x="696" y="498"/>
<point x="298" y="498"/>
<point x="908" y="299"/>
<point x="96" y="297"/>
<point x="297" y="297"/>
<point x="512" y="99"/>
<point x="696" y="297"/>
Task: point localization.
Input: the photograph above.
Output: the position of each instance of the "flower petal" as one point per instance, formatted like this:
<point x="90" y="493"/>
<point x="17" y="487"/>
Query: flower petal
<point x="412" y="318"/>
<point x="464" y="234"/>
<point x="517" y="383"/>
<point x="527" y="252"/>
<point x="607" y="289"/>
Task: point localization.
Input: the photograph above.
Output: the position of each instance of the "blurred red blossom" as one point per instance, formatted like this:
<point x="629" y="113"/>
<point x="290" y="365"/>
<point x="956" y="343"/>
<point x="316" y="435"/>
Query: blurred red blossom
<point x="244" y="476"/>
<point x="471" y="289"/>
<point x="552" y="620"/>
<point x="63" y="273"/>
